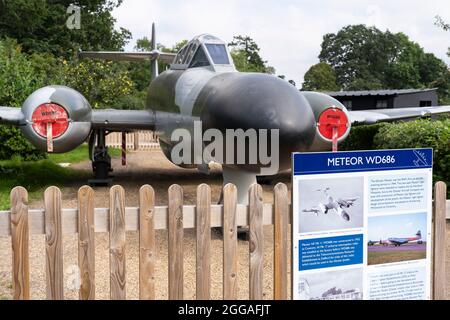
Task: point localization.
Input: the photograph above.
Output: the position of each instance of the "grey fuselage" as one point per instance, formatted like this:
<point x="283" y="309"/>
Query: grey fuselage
<point x="223" y="98"/>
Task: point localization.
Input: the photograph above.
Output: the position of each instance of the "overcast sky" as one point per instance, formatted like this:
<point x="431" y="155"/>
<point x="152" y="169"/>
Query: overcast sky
<point x="289" y="32"/>
<point x="397" y="226"/>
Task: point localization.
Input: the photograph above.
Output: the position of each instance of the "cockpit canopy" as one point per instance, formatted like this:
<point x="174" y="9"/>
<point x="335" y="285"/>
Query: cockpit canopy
<point x="204" y="51"/>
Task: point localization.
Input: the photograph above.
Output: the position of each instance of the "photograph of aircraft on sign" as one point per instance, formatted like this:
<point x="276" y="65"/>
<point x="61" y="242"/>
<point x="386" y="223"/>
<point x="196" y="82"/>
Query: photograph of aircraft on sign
<point x="202" y="84"/>
<point x="331" y="285"/>
<point x="333" y="206"/>
<point x="396" y="242"/>
<point x="399" y="245"/>
<point x="324" y="205"/>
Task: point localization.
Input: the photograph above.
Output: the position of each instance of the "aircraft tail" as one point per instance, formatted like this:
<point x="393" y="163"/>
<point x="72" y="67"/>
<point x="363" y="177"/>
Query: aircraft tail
<point x="154" y="62"/>
<point x="419" y="234"/>
<point x="154" y="55"/>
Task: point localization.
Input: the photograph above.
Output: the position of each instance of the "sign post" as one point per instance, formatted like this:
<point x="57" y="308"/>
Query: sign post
<point x="362" y="225"/>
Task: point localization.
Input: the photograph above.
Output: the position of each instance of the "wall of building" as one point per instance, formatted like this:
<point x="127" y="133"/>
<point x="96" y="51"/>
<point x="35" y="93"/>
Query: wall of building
<point x="413" y="99"/>
<point x="400" y="101"/>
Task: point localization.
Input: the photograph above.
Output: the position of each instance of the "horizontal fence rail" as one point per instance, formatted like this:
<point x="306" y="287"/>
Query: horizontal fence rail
<point x="53" y="221"/>
<point x="138" y="140"/>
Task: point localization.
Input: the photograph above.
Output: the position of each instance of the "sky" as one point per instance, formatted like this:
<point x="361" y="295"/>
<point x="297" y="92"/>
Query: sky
<point x="288" y="32"/>
<point x="397" y="226"/>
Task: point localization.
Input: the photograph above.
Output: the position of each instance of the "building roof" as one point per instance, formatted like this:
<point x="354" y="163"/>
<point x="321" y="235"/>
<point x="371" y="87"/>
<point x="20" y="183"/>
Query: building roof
<point x="377" y="92"/>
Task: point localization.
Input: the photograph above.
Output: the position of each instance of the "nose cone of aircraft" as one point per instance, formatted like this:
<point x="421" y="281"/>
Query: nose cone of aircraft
<point x="259" y="101"/>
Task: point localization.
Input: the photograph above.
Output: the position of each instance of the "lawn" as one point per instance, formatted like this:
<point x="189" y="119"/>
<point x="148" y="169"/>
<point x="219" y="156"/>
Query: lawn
<point x="35" y="176"/>
<point x="77" y="155"/>
<point x="395" y="256"/>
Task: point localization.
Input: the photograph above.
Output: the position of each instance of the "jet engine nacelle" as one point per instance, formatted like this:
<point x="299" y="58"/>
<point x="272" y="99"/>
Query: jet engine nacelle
<point x="62" y="109"/>
<point x="328" y="112"/>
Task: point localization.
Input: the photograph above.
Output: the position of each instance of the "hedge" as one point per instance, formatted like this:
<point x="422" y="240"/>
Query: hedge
<point x="423" y="133"/>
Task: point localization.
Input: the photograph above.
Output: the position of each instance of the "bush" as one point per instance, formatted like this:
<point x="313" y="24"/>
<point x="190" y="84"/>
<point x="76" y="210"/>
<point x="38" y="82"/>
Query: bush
<point x="420" y="134"/>
<point x="14" y="144"/>
<point x="18" y="79"/>
<point x="361" y="137"/>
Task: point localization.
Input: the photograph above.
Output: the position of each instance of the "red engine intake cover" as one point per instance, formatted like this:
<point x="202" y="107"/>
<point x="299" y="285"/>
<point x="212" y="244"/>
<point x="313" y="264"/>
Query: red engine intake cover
<point x="332" y="117"/>
<point x="50" y="113"/>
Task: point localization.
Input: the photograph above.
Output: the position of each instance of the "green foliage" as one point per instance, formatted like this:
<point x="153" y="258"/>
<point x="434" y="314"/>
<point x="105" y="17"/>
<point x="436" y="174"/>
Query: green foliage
<point x="40" y="26"/>
<point x="366" y="58"/>
<point x="246" y="55"/>
<point x="361" y="137"/>
<point x="34" y="176"/>
<point x="79" y="154"/>
<point x="411" y="134"/>
<point x="320" y="77"/>
<point x="19" y="77"/>
<point x="101" y="82"/>
<point x="14" y="144"/>
<point x="420" y="134"/>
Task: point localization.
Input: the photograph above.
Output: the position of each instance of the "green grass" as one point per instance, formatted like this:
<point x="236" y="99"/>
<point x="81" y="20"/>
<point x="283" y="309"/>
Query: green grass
<point x="395" y="256"/>
<point x="35" y="176"/>
<point x="77" y="155"/>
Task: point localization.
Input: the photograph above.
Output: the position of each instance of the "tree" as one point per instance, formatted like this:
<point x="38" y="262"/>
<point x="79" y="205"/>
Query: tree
<point x="358" y="53"/>
<point x="365" y="58"/>
<point x="246" y="55"/>
<point x="40" y="26"/>
<point x="320" y="77"/>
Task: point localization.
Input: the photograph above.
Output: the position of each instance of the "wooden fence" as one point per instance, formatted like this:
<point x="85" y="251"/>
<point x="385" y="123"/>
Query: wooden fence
<point x="54" y="222"/>
<point x="139" y="140"/>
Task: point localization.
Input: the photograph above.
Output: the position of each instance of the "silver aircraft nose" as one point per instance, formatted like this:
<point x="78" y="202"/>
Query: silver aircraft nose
<point x="259" y="101"/>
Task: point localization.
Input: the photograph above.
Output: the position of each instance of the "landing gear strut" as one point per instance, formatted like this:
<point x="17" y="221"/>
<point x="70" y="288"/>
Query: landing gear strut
<point x="101" y="161"/>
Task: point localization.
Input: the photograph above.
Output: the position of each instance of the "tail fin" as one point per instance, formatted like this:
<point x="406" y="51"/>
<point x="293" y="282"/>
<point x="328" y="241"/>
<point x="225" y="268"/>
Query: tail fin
<point x="154" y="55"/>
<point x="154" y="62"/>
<point x="419" y="234"/>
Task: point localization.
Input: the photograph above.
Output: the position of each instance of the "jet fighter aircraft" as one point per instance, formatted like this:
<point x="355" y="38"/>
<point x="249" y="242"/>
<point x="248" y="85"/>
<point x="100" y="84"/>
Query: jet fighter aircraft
<point x="201" y="84"/>
<point x="333" y="206"/>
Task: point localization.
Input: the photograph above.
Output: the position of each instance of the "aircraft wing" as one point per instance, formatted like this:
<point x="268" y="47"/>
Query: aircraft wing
<point x="13" y="116"/>
<point x="129" y="56"/>
<point x="111" y="119"/>
<point x="387" y="115"/>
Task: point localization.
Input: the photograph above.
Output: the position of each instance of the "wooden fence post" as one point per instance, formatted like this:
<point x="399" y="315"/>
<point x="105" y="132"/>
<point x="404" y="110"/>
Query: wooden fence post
<point x="175" y="242"/>
<point x="280" y="263"/>
<point x="86" y="242"/>
<point x="229" y="242"/>
<point x="147" y="243"/>
<point x="256" y="242"/>
<point x="136" y="140"/>
<point x="53" y="244"/>
<point x="439" y="254"/>
<point x="117" y="243"/>
<point x="203" y="247"/>
<point x="19" y="242"/>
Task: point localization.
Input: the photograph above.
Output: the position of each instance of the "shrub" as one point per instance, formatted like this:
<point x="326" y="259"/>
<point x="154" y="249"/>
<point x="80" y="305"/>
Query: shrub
<point x="18" y="79"/>
<point x="420" y="134"/>
<point x="361" y="137"/>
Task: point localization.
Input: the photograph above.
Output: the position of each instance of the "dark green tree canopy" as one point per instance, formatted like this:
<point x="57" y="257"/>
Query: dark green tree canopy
<point x="320" y="77"/>
<point x="367" y="58"/>
<point x="40" y="26"/>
